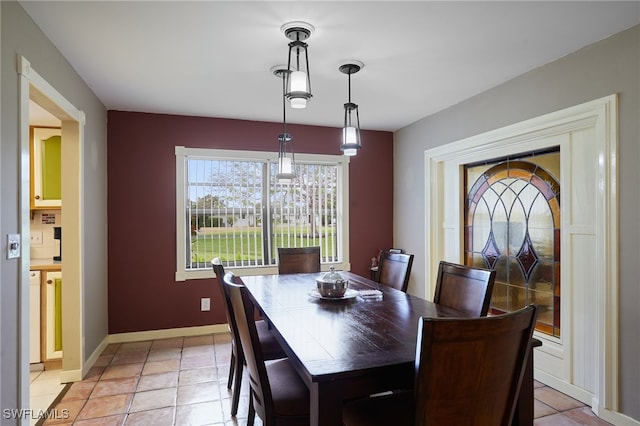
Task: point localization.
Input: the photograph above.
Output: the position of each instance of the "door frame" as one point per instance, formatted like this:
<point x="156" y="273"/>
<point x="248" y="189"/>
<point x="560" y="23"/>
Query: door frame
<point x="444" y="202"/>
<point x="33" y="86"/>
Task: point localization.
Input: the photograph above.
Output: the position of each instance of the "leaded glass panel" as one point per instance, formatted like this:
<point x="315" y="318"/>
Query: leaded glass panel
<point x="512" y="224"/>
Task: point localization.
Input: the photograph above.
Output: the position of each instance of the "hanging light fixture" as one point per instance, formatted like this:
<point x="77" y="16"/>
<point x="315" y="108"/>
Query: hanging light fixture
<point x="286" y="158"/>
<point x="351" y="131"/>
<point x="298" y="82"/>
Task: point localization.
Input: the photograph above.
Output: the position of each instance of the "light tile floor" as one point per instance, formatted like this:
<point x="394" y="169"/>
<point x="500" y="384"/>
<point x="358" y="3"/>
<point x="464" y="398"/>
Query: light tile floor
<point x="44" y="388"/>
<point x="183" y="381"/>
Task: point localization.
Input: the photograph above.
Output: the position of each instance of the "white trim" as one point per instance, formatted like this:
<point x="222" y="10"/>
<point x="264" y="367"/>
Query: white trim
<point x="24" y="191"/>
<point x="69" y="376"/>
<point x="181" y="153"/>
<point x="35" y="87"/>
<point x="443" y="164"/>
<point x="616" y="418"/>
<point x="255" y="155"/>
<point x="138" y="336"/>
<point x="608" y="228"/>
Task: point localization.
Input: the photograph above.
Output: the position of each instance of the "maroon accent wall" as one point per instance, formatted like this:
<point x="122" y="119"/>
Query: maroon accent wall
<point x="143" y="293"/>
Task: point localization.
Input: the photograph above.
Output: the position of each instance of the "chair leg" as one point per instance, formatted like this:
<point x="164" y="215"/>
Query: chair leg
<point x="251" y="416"/>
<point x="231" y="370"/>
<point x="235" y="400"/>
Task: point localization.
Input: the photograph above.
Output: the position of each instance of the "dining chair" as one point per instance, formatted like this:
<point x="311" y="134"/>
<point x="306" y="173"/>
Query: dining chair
<point x="295" y="260"/>
<point x="271" y="349"/>
<point x="277" y="394"/>
<point x="468" y="371"/>
<point x="394" y="269"/>
<point x="464" y="288"/>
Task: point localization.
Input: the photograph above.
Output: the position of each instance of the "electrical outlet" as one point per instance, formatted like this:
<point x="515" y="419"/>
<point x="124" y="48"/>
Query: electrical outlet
<point x="36" y="238"/>
<point x="13" y="246"/>
<point x="205" y="304"/>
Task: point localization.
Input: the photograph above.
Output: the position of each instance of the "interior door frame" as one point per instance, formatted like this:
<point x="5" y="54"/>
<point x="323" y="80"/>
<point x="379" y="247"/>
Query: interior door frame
<point x="33" y="86"/>
<point x="444" y="201"/>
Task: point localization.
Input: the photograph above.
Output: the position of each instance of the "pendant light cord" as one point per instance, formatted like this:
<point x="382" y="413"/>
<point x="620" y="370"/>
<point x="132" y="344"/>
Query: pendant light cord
<point x="284" y="107"/>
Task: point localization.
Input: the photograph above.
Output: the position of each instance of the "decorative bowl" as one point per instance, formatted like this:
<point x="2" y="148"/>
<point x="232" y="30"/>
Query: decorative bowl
<point x="332" y="285"/>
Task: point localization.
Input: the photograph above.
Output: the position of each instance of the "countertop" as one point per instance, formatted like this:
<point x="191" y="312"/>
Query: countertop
<point x="45" y="265"/>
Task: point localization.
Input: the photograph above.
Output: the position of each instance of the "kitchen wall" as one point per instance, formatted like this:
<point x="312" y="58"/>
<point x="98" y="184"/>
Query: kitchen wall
<point x="609" y="66"/>
<point x="43" y="245"/>
<point x="143" y="293"/>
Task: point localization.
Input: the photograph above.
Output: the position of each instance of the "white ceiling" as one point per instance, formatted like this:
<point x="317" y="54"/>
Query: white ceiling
<point x="212" y="58"/>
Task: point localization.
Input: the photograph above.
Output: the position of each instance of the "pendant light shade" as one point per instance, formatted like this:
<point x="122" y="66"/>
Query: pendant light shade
<point x="298" y="82"/>
<point x="286" y="157"/>
<point x="351" y="142"/>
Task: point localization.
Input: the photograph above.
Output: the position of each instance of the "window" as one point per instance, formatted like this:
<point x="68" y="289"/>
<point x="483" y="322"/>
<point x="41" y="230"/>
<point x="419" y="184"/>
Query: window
<point x="512" y="225"/>
<point x="230" y="205"/>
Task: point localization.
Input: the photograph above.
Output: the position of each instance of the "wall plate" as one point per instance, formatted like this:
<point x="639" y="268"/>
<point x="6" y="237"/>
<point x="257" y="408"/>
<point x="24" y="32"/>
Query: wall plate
<point x="13" y="246"/>
<point x="205" y="304"/>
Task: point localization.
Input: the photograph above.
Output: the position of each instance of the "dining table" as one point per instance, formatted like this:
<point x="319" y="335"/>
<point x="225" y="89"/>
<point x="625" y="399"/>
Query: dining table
<point x="354" y="346"/>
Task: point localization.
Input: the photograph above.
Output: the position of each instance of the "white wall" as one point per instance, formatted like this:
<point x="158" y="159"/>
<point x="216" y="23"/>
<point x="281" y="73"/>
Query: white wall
<point x="607" y="67"/>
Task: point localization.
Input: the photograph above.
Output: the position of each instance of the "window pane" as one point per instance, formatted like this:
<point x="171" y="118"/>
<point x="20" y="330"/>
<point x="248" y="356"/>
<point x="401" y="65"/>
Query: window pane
<point x="304" y="213"/>
<point x="224" y="205"/>
<point x="236" y="209"/>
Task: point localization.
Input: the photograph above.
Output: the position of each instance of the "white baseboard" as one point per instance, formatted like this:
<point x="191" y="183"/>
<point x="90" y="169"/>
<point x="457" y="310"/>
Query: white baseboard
<point x="616" y="418"/>
<point x="138" y="336"/>
<point x="586" y="398"/>
<point x="68" y="376"/>
<point x="567" y="388"/>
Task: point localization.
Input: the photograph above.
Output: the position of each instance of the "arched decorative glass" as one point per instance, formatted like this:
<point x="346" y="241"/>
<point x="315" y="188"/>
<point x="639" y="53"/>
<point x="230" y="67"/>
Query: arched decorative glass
<point x="512" y="225"/>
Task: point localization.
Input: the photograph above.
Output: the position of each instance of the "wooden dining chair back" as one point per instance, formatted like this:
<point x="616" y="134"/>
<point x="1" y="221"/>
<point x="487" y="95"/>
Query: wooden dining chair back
<point x="277" y="394"/>
<point x="271" y="349"/>
<point x="295" y="260"/>
<point x="394" y="269"/>
<point x="469" y="371"/>
<point x="218" y="269"/>
<point x="464" y="288"/>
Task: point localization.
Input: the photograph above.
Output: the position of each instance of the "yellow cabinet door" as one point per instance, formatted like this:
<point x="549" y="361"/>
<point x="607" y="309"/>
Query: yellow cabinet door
<point x="46" y="181"/>
<point x="53" y="315"/>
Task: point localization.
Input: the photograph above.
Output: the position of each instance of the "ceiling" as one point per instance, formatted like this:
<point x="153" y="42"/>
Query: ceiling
<point x="213" y="58"/>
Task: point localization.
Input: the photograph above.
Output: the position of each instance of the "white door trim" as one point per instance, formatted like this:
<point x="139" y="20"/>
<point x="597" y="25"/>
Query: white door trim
<point x="444" y="200"/>
<point x="33" y="86"/>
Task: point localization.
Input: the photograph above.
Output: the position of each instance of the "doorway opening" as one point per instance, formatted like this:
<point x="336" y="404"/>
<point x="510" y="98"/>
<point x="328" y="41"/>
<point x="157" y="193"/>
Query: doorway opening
<point x="37" y="91"/>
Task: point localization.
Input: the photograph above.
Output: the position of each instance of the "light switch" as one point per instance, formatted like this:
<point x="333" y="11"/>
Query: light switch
<point x="13" y="246"/>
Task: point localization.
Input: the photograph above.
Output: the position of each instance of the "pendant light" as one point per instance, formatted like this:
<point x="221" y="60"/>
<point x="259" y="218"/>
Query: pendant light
<point x="286" y="158"/>
<point x="351" y="142"/>
<point x="298" y="82"/>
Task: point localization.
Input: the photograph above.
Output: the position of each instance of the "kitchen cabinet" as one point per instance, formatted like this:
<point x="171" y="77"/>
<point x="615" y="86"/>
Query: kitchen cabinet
<point x="53" y="314"/>
<point x="46" y="181"/>
<point x="34" y="317"/>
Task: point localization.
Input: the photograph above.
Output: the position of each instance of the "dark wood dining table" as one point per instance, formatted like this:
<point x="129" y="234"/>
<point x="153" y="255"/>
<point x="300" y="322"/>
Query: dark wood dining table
<point x="352" y="347"/>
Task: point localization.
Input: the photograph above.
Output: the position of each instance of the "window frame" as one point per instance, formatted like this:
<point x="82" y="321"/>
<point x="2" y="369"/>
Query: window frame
<point x="182" y="153"/>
